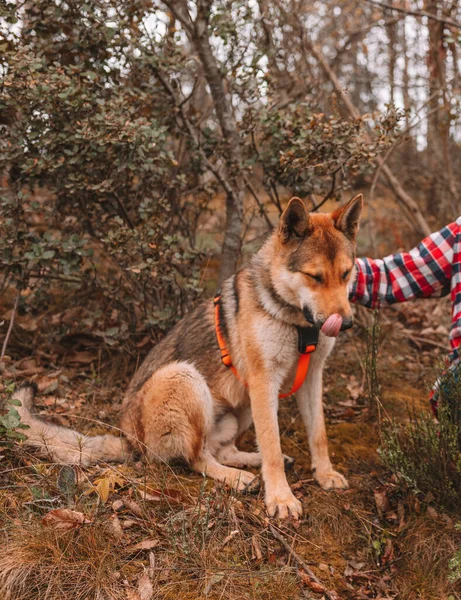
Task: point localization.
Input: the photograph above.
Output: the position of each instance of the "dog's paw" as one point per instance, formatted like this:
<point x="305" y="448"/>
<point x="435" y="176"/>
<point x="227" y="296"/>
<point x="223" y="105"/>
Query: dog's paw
<point x="331" y="480"/>
<point x="283" y="505"/>
<point x="245" y="482"/>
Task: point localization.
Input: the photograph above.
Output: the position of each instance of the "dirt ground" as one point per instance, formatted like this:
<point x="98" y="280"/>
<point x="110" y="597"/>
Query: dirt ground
<point x="158" y="531"/>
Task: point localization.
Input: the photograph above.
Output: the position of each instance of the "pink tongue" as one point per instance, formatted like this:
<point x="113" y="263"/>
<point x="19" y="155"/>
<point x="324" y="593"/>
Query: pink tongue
<point x="332" y="325"/>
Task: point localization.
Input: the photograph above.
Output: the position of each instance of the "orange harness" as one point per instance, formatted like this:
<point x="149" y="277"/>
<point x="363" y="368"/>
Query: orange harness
<point x="307" y="343"/>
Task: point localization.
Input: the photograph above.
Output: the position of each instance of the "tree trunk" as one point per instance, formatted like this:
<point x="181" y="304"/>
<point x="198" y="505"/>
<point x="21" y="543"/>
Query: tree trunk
<point x="443" y="192"/>
<point x="198" y="34"/>
<point x="234" y="201"/>
<point x="391" y="30"/>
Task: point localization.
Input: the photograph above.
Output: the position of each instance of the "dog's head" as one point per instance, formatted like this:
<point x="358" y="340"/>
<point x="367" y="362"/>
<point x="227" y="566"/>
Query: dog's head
<point x="315" y="260"/>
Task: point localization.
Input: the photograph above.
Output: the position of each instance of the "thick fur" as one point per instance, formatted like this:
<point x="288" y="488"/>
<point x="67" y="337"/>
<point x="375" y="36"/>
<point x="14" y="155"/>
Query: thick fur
<point x="184" y="403"/>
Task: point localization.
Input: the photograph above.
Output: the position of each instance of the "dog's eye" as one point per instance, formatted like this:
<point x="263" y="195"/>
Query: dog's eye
<point x="317" y="278"/>
<point x="346" y="274"/>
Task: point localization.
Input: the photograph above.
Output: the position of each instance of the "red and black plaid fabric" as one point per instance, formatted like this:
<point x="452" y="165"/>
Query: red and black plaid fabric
<point x="432" y="269"/>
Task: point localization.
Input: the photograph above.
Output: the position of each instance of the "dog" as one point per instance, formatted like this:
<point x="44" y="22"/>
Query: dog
<point x="222" y="366"/>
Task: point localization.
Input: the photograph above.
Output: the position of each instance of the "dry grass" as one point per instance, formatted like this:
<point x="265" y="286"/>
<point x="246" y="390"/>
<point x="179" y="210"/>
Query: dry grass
<point x="210" y="543"/>
<point x="424" y="550"/>
<point x="40" y="562"/>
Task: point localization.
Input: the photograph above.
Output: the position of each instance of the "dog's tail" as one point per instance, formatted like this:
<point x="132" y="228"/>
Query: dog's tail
<point x="62" y="444"/>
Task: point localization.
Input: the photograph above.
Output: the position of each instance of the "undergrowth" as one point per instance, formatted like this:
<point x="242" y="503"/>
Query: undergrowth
<point x="10" y="421"/>
<point x="425" y="453"/>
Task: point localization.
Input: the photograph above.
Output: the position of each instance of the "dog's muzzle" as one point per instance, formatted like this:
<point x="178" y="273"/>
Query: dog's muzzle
<point x="308" y="315"/>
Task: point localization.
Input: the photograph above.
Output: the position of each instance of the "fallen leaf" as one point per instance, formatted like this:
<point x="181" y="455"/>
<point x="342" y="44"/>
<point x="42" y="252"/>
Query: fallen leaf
<point x="382" y="502"/>
<point x="127" y="523"/>
<point x="431" y="512"/>
<point x="313" y="585"/>
<point x="115" y="527"/>
<point x="104" y="485"/>
<point x="144" y="545"/>
<point x="65" y="519"/>
<point x="256" y="553"/>
<point x="117" y="505"/>
<point x="83" y="357"/>
<point x="47" y="385"/>
<point x="214" y="579"/>
<point x="354" y="388"/>
<point x="168" y="494"/>
<point x="133" y="507"/>
<point x="145" y="588"/>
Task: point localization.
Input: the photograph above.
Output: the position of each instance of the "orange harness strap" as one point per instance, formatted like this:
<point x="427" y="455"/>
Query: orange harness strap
<point x="307" y="342"/>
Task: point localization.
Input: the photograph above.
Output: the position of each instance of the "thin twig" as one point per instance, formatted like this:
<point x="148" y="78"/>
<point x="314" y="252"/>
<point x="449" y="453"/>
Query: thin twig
<point x="192" y="133"/>
<point x="416" y="13"/>
<point x="10" y="326"/>
<point x="331" y="594"/>
<point x="262" y="210"/>
<point x="330" y="193"/>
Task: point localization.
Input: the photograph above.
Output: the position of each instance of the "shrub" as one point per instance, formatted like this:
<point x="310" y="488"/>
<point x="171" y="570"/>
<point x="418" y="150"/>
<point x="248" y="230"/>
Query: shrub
<point x="94" y="201"/>
<point x="426" y="454"/>
<point x="10" y="421"/>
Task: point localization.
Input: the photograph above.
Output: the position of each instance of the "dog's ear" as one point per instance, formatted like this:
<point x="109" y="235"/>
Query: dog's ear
<point x="294" y="222"/>
<point x="347" y="217"/>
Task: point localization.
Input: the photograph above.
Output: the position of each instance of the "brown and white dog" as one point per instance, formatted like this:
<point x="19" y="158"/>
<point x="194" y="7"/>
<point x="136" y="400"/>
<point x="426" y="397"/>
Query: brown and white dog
<point x="184" y="403"/>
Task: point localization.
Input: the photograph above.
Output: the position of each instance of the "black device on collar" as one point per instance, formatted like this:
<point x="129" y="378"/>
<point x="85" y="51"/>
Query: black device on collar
<point x="307" y="336"/>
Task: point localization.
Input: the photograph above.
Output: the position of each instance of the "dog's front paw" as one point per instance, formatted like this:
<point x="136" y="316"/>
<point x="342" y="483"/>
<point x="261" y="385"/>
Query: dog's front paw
<point x="283" y="505"/>
<point x="245" y="482"/>
<point x="331" y="480"/>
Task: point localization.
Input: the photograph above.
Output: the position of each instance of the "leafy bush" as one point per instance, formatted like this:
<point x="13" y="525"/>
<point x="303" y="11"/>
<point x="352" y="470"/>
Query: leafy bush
<point x="304" y="150"/>
<point x="95" y="200"/>
<point x="106" y="172"/>
<point x="10" y="421"/>
<point x="426" y="454"/>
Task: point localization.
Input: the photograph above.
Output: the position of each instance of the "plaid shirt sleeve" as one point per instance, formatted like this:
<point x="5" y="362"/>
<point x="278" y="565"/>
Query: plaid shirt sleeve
<point x="431" y="269"/>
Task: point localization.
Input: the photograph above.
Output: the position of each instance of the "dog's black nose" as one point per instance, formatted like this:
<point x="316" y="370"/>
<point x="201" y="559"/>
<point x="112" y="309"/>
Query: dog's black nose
<point x="347" y="323"/>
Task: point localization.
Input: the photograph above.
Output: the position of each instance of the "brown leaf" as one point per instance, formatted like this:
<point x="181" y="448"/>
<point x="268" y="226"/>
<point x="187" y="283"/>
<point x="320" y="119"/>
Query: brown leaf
<point x="115" y="527"/>
<point x="133" y="507"/>
<point x="256" y="553"/>
<point x="144" y="545"/>
<point x="382" y="502"/>
<point x="313" y="585"/>
<point x="84" y="357"/>
<point x="65" y="519"/>
<point x="354" y="388"/>
<point x="145" y="588"/>
<point x="168" y="494"/>
<point x="47" y="384"/>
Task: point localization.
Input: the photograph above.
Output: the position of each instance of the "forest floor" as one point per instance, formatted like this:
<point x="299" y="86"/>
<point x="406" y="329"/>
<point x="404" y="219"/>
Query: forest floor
<point x="163" y="532"/>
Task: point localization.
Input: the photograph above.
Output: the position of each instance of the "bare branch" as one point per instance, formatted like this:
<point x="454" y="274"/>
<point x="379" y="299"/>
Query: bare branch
<point x="192" y="133"/>
<point x="416" y="13"/>
<point x="179" y="9"/>
<point x="262" y="210"/>
<point x="330" y="594"/>
<point x="402" y="197"/>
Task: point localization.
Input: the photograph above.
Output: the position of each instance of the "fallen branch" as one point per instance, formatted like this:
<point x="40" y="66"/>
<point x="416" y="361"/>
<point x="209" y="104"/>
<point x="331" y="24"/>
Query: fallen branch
<point x="406" y="333"/>
<point x="330" y="594"/>
<point x="416" y="13"/>
<point x="10" y="326"/>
